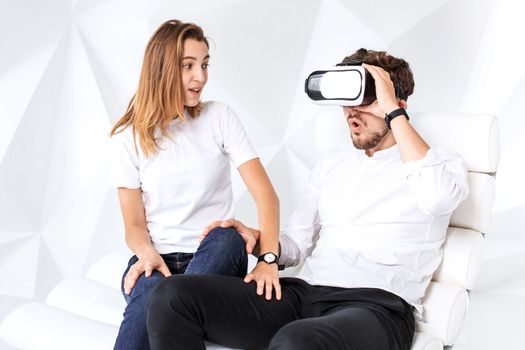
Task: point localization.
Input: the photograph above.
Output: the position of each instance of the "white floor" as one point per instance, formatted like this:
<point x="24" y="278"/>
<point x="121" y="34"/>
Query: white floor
<point x="496" y="315"/>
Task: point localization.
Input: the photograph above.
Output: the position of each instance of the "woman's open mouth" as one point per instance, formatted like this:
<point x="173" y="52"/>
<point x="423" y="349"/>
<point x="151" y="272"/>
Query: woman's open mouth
<point x="195" y="91"/>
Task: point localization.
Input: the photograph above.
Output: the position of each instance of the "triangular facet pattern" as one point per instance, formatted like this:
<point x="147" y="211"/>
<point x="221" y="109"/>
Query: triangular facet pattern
<point x="70" y="67"/>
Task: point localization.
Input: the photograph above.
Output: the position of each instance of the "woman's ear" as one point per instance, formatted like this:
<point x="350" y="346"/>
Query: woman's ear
<point x="403" y="104"/>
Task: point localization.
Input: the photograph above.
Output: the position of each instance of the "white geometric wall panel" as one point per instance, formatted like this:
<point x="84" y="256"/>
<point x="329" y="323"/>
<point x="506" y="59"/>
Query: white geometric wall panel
<point x="69" y="67"/>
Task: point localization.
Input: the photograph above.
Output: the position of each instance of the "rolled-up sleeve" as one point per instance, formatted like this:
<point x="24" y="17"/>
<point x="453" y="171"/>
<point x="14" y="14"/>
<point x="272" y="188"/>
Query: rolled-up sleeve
<point x="439" y="181"/>
<point x="303" y="227"/>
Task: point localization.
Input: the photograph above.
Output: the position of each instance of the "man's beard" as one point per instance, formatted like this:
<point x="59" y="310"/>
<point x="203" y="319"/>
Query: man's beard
<point x="371" y="141"/>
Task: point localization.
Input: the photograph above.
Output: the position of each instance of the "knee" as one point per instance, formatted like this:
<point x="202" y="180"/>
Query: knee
<point x="222" y="252"/>
<point x="225" y="239"/>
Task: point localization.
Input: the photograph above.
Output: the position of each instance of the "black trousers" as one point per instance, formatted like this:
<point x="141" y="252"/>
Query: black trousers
<point x="185" y="310"/>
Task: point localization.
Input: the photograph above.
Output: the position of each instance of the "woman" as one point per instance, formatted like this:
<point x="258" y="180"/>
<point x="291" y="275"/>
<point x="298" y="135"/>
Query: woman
<point x="171" y="164"/>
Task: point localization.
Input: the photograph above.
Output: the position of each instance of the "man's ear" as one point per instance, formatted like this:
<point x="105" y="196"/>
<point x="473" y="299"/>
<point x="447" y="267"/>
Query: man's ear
<point x="402" y="103"/>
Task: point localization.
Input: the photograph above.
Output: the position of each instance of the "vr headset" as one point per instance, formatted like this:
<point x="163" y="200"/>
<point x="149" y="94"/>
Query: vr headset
<point x="346" y="84"/>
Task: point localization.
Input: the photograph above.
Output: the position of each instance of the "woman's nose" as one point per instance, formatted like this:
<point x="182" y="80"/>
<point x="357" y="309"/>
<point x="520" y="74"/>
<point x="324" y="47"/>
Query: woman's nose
<point x="198" y="74"/>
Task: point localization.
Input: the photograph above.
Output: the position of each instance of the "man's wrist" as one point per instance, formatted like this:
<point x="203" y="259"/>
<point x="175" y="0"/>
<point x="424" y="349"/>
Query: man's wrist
<point x="390" y="109"/>
<point x="398" y="112"/>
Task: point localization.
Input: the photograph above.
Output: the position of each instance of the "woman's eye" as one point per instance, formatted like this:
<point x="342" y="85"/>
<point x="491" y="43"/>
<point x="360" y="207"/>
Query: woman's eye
<point x="186" y="66"/>
<point x="205" y="66"/>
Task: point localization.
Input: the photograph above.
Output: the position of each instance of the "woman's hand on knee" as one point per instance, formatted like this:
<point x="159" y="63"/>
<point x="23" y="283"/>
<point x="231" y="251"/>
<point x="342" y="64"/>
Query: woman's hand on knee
<point x="147" y="263"/>
<point x="266" y="276"/>
<point x="250" y="235"/>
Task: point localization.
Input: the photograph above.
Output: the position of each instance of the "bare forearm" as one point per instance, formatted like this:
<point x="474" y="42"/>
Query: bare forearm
<point x="267" y="202"/>
<point x="138" y="240"/>
<point x="411" y="145"/>
<point x="268" y="213"/>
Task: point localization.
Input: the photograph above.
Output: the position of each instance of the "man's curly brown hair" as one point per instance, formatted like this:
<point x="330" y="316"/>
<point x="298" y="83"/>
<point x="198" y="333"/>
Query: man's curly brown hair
<point x="398" y="68"/>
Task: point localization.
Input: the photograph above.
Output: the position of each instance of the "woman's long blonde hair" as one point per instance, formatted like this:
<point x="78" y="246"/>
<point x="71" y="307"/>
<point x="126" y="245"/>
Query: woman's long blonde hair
<point x="160" y="95"/>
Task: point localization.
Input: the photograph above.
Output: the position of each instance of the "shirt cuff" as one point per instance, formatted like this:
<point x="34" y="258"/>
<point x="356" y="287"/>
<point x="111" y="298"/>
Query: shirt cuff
<point x="240" y="160"/>
<point x="123" y="181"/>
<point x="288" y="252"/>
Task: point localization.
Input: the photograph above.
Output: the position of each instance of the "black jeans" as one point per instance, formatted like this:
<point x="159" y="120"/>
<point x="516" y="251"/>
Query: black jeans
<point x="186" y="310"/>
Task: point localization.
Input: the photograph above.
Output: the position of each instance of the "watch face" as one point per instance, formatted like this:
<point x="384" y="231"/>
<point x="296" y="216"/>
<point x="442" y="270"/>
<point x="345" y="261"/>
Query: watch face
<point x="269" y="258"/>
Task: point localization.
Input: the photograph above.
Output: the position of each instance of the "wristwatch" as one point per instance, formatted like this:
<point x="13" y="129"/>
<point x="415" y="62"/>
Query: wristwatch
<point x="269" y="258"/>
<point x="393" y="114"/>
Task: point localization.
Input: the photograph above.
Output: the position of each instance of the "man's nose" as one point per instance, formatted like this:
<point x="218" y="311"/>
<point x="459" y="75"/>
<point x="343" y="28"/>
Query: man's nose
<point x="350" y="110"/>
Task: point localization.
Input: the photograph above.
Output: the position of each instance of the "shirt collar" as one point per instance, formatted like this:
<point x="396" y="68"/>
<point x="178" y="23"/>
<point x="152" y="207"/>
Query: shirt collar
<point x="385" y="154"/>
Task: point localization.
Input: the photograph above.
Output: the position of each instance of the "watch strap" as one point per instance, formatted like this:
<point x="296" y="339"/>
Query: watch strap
<point x="393" y="114"/>
<point x="275" y="261"/>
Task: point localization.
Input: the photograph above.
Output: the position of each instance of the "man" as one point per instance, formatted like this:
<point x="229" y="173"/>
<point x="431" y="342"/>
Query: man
<point x="369" y="231"/>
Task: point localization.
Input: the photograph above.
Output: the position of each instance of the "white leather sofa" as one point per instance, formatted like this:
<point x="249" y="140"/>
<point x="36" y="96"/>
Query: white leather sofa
<point x="84" y="313"/>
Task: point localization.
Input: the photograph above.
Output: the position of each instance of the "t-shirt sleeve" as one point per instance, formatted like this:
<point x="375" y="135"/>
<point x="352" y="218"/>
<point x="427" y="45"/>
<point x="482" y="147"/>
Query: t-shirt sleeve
<point x="235" y="141"/>
<point x="123" y="161"/>
<point x="302" y="228"/>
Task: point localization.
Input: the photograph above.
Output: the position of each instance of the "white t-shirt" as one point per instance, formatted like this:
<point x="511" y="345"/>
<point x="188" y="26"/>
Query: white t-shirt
<point x="379" y="223"/>
<point x="187" y="184"/>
